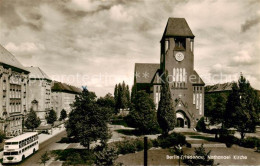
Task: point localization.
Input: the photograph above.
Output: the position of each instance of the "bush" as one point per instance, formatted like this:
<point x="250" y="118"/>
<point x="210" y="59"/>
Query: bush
<point x="205" y="160"/>
<point x="201" y="126"/>
<point x="229" y="140"/>
<point x="130" y="145"/>
<point x="188" y="145"/>
<point x="68" y="140"/>
<point x="155" y="143"/>
<point x="106" y="156"/>
<point x="119" y="121"/>
<point x="171" y="140"/>
<point x="75" y="156"/>
<point x="2" y="136"/>
<point x="250" y="142"/>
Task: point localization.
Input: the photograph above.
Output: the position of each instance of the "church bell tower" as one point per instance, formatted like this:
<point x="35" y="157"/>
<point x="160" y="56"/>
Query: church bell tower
<point x="177" y="58"/>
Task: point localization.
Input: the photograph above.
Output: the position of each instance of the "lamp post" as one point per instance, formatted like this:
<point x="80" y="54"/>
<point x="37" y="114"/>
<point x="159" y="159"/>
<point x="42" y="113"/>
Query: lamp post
<point x="145" y="151"/>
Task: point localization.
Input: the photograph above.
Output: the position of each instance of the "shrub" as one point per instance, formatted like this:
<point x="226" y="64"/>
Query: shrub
<point x="201" y="126"/>
<point x="205" y="160"/>
<point x="75" y="156"/>
<point x="250" y="142"/>
<point x="68" y="140"/>
<point x="106" y="156"/>
<point x="171" y="140"/>
<point x="229" y="140"/>
<point x="2" y="136"/>
<point x="155" y="143"/>
<point x="130" y="145"/>
<point x="258" y="147"/>
<point x="188" y="145"/>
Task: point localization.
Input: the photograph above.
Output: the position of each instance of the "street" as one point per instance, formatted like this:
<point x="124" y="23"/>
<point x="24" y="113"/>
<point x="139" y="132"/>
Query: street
<point x="45" y="146"/>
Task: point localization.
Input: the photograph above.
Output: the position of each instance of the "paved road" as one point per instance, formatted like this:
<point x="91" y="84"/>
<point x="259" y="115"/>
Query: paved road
<point x="45" y="146"/>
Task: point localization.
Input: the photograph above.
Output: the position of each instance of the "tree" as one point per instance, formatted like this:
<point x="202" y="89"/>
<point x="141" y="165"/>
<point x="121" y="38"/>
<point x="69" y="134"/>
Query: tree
<point x="201" y="126"/>
<point x="242" y="107"/>
<point x="217" y="115"/>
<point x="203" y="158"/>
<point x="128" y="97"/>
<point x="133" y="93"/>
<point x="44" y="158"/>
<point x="87" y="120"/>
<point x="51" y="117"/>
<point x="116" y="98"/>
<point x="143" y="114"/>
<point x="166" y="113"/>
<point x="63" y="115"/>
<point x="32" y="121"/>
<point x="209" y="105"/>
<point x="106" y="101"/>
<point x="122" y="96"/>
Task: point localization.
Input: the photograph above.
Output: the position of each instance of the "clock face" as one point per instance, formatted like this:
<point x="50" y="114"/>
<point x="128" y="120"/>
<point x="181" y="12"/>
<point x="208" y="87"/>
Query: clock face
<point x="179" y="56"/>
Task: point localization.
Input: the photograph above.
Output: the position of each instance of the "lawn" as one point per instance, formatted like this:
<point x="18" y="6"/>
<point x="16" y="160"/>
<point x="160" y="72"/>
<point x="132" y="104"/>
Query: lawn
<point x="189" y="133"/>
<point x="210" y="139"/>
<point x="158" y="156"/>
<point x="119" y="122"/>
<point x="74" y="156"/>
<point x="128" y="132"/>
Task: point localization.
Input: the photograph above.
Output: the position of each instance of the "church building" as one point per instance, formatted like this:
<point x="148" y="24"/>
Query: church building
<point x="177" y="58"/>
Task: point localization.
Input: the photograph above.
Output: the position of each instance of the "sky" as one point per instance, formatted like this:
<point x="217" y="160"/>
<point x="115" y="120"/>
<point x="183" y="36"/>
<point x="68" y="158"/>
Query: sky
<point x="96" y="43"/>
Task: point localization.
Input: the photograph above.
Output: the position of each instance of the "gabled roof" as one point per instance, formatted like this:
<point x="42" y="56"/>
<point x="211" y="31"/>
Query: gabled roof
<point x="219" y="87"/>
<point x="62" y="87"/>
<point x="144" y="72"/>
<point x="6" y="58"/>
<point x="37" y="73"/>
<point x="196" y="79"/>
<point x="177" y="27"/>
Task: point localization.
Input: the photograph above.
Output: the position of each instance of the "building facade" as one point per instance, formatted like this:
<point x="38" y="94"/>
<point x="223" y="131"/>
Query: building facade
<point x="14" y="78"/>
<point x="177" y="60"/>
<point x="63" y="96"/>
<point x="39" y="99"/>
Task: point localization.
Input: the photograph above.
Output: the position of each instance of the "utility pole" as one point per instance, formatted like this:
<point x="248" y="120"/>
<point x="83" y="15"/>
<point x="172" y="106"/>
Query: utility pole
<point x="145" y="151"/>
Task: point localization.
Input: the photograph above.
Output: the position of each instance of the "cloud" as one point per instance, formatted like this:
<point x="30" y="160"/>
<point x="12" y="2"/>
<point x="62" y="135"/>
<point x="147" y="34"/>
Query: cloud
<point x="250" y="23"/>
<point x="24" y="47"/>
<point x="67" y="38"/>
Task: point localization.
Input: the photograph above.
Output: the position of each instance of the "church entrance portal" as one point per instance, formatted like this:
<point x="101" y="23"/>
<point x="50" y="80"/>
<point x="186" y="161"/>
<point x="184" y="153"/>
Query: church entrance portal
<point x="182" y="120"/>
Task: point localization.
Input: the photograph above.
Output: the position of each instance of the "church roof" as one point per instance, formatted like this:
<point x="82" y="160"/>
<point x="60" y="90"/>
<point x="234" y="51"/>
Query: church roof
<point x="219" y="87"/>
<point x="177" y="27"/>
<point x="37" y="73"/>
<point x="6" y="58"/>
<point x="62" y="87"/>
<point x="197" y="79"/>
<point x="144" y="72"/>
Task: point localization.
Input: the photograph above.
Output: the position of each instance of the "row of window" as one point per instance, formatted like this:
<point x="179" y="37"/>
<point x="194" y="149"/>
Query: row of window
<point x="180" y="43"/>
<point x="28" y="147"/>
<point x="197" y="100"/>
<point x="15" y="123"/>
<point x="179" y="75"/>
<point x="15" y="107"/>
<point x="27" y="141"/>
<point x="197" y="89"/>
<point x="19" y="152"/>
